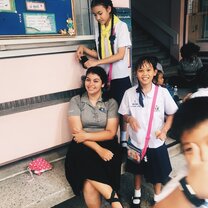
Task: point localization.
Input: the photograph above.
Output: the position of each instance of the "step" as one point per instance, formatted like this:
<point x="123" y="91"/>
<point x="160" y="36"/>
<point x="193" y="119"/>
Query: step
<point x="127" y="188"/>
<point x="140" y="37"/>
<point x="18" y="189"/>
<point x="137" y="44"/>
<point x="145" y="51"/>
<point x="159" y="54"/>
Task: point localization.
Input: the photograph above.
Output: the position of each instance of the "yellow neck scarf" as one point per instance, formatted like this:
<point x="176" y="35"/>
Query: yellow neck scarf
<point x="105" y="34"/>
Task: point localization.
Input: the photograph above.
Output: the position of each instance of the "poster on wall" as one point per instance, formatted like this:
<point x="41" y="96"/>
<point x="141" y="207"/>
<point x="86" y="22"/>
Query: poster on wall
<point x="7" y="6"/>
<point x="35" y="5"/>
<point x="39" y="23"/>
<point x="37" y="17"/>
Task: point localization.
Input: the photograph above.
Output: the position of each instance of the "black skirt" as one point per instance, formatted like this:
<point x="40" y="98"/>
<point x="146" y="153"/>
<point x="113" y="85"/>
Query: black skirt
<point x="84" y="163"/>
<point x="118" y="88"/>
<point x="156" y="169"/>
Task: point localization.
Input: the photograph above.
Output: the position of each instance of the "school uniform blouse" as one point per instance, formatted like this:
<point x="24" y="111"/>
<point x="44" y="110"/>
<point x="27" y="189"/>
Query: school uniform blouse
<point x="165" y="105"/>
<point x="201" y="92"/>
<point x="94" y="118"/>
<point x="122" y="39"/>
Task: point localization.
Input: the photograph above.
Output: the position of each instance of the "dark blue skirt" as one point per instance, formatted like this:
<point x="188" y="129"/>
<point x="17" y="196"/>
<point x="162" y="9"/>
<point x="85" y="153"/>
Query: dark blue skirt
<point x="156" y="169"/>
<point x="118" y="88"/>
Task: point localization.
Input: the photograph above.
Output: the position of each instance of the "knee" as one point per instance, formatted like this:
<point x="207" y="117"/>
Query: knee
<point x="91" y="195"/>
<point x="89" y="189"/>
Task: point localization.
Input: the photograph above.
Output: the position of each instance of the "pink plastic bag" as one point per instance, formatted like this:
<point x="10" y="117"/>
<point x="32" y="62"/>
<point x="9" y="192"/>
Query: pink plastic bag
<point x="39" y="166"/>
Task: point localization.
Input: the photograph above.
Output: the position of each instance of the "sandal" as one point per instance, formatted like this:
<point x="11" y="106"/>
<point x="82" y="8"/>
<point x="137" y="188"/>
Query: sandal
<point x="134" y="204"/>
<point x="113" y="199"/>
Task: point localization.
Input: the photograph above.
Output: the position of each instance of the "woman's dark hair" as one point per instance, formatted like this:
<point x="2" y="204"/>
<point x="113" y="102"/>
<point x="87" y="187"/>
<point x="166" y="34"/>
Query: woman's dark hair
<point x="140" y="62"/>
<point x="190" y="114"/>
<point x="104" y="78"/>
<point x="106" y="4"/>
<point x="189" y="50"/>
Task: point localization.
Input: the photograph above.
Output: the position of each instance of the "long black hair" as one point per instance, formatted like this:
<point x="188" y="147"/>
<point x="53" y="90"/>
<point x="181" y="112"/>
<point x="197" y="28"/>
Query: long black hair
<point x="140" y="62"/>
<point x="104" y="78"/>
<point x="106" y="4"/>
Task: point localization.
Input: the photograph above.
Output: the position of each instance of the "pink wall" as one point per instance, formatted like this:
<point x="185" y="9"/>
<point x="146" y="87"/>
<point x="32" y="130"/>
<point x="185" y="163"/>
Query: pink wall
<point x="29" y="132"/>
<point x="38" y="75"/>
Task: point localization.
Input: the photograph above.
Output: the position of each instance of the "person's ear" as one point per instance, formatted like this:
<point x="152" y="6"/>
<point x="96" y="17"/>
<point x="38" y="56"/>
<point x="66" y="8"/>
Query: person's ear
<point x="155" y="72"/>
<point x="109" y="9"/>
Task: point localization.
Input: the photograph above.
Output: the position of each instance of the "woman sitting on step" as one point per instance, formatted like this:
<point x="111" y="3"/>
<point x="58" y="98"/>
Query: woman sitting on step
<point x="93" y="161"/>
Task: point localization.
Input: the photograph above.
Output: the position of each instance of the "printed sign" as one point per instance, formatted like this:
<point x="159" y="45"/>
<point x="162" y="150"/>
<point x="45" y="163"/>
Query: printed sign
<point x="39" y="23"/>
<point x="35" y="6"/>
<point x="7" y="6"/>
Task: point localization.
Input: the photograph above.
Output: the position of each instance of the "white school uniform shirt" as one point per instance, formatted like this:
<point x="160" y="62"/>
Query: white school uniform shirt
<point x="130" y="106"/>
<point x="173" y="184"/>
<point x="122" y="39"/>
<point x="201" y="92"/>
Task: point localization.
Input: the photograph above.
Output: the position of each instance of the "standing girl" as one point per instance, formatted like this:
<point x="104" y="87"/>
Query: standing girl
<point x="136" y="107"/>
<point x="112" y="41"/>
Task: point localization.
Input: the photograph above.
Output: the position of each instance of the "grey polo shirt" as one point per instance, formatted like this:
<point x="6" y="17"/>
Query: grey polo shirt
<point x="94" y="118"/>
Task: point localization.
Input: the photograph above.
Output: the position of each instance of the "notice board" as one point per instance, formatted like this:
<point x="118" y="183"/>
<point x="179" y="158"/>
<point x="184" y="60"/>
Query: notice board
<point x="34" y="17"/>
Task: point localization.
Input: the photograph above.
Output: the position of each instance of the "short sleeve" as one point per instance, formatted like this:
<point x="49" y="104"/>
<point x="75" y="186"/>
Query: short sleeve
<point x="123" y="35"/>
<point x="170" y="105"/>
<point x="112" y="109"/>
<point x="74" y="106"/>
<point x="124" y="106"/>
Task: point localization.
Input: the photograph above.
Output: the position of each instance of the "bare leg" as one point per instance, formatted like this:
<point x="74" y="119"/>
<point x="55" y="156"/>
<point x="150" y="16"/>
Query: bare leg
<point x="136" y="199"/>
<point x="105" y="190"/>
<point x="157" y="188"/>
<point x="137" y="182"/>
<point x="91" y="195"/>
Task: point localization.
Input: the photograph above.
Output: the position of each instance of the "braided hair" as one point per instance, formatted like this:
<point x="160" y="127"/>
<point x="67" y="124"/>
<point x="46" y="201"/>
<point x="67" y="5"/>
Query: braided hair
<point x="106" y="4"/>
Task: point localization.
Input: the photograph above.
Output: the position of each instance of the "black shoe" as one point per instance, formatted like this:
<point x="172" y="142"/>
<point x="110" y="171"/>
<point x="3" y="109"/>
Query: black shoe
<point x="133" y="205"/>
<point x="152" y="202"/>
<point x="113" y="198"/>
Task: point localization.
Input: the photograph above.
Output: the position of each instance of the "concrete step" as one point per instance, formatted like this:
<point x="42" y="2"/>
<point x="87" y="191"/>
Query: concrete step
<point x="137" y="44"/>
<point x="145" y="50"/>
<point x="19" y="190"/>
<point x="126" y="190"/>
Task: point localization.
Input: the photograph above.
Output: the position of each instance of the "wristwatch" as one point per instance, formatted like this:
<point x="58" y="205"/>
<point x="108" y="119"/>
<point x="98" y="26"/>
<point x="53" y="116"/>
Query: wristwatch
<point x="190" y="194"/>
